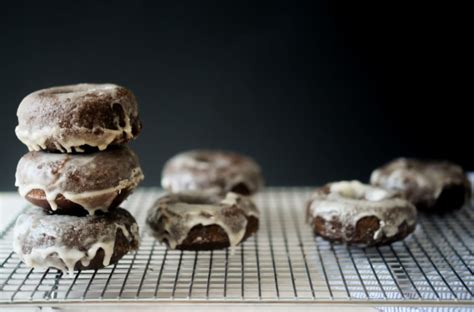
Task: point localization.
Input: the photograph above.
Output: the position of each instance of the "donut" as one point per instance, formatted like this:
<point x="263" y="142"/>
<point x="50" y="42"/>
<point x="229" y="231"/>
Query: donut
<point x="78" y="118"/>
<point x="198" y="221"/>
<point x="69" y="243"/>
<point x="356" y="213"/>
<point x="78" y="184"/>
<point x="432" y="186"/>
<point x="212" y="170"/>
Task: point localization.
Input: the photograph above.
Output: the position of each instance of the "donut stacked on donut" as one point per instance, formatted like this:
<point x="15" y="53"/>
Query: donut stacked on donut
<point x="78" y="171"/>
<point x="78" y="118"/>
<point x="356" y="213"/>
<point x="207" y="207"/>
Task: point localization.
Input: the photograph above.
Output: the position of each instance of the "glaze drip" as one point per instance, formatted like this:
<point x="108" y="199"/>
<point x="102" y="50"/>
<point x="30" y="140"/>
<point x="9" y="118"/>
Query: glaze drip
<point x="61" y="241"/>
<point x="90" y="180"/>
<point x="61" y="116"/>
<point x="217" y="171"/>
<point x="174" y="215"/>
<point x="420" y="182"/>
<point x="350" y="201"/>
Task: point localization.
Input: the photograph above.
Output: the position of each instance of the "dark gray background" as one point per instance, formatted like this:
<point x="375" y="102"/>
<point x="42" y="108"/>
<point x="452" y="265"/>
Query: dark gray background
<point x="314" y="92"/>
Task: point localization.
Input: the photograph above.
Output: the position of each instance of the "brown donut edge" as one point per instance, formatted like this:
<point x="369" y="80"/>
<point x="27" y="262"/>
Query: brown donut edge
<point x="38" y="198"/>
<point x="212" y="236"/>
<point x="95" y="118"/>
<point x="452" y="197"/>
<point x="121" y="248"/>
<point x="136" y="124"/>
<point x="362" y="234"/>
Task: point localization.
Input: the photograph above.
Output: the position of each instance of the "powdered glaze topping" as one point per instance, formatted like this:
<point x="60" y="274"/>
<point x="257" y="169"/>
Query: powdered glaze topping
<point x="90" y="180"/>
<point x="69" y="117"/>
<point x="350" y="201"/>
<point x="220" y="171"/>
<point x="62" y="241"/>
<point x="418" y="180"/>
<point x="174" y="215"/>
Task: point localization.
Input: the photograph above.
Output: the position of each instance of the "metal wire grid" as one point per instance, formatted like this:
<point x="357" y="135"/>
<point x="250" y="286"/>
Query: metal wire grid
<point x="283" y="262"/>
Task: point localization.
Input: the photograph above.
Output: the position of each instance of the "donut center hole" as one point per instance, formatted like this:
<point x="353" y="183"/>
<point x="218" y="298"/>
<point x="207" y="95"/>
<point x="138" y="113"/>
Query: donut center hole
<point x="62" y="91"/>
<point x="359" y="191"/>
<point x="202" y="158"/>
<point x="241" y="188"/>
<point x="120" y="114"/>
<point x="196" y="200"/>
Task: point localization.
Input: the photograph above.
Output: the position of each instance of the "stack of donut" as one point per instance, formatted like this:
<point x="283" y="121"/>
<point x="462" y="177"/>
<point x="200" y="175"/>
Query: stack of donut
<point x="208" y="205"/>
<point x="77" y="173"/>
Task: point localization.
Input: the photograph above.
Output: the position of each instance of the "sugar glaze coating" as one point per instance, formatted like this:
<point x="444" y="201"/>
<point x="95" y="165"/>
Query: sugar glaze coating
<point x="212" y="170"/>
<point x="174" y="215"/>
<point x="350" y="201"/>
<point x="67" y="118"/>
<point x="429" y="185"/>
<point x="90" y="180"/>
<point x="63" y="242"/>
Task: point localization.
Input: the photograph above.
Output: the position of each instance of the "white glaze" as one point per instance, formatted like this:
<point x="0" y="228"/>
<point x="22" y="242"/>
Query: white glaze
<point x="182" y="216"/>
<point x="350" y="201"/>
<point x="424" y="180"/>
<point x="36" y="123"/>
<point x="32" y="226"/>
<point x="222" y="170"/>
<point x="52" y="173"/>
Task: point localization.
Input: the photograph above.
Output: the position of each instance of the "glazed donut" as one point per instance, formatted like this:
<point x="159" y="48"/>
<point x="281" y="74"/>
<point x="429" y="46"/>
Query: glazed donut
<point x="432" y="186"/>
<point x="197" y="221"/>
<point x="356" y="213"/>
<point x="81" y="183"/>
<point x="72" y="243"/>
<point x="78" y="118"/>
<point x="218" y="171"/>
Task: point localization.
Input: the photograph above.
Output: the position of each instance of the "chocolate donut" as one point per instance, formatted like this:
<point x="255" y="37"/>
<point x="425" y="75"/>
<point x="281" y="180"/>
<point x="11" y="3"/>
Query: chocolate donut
<point x="78" y="118"/>
<point x="68" y="243"/>
<point x="432" y="186"/>
<point x="215" y="171"/>
<point x="78" y="184"/>
<point x="197" y="221"/>
<point x="356" y="213"/>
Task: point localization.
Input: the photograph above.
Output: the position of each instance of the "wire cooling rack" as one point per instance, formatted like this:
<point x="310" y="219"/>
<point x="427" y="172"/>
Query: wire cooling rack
<point x="282" y="263"/>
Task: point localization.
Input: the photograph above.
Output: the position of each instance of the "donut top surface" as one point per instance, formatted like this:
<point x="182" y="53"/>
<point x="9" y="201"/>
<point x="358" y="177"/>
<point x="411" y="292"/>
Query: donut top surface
<point x="90" y="180"/>
<point x="68" y="117"/>
<point x="61" y="241"/>
<point x="222" y="171"/>
<point x="174" y="215"/>
<point x="350" y="201"/>
<point x="420" y="180"/>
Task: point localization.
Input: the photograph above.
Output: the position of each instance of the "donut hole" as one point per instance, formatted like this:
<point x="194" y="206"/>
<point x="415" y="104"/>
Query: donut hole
<point x="62" y="91"/>
<point x="192" y="199"/>
<point x="452" y="197"/>
<point x="358" y="191"/>
<point x="202" y="158"/>
<point x="119" y="112"/>
<point x="241" y="188"/>
<point x="348" y="189"/>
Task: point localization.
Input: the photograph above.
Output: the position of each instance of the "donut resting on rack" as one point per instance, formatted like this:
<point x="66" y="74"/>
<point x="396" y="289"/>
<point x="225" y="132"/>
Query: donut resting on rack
<point x="199" y="221"/>
<point x="356" y="213"/>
